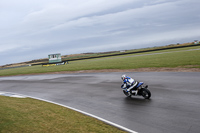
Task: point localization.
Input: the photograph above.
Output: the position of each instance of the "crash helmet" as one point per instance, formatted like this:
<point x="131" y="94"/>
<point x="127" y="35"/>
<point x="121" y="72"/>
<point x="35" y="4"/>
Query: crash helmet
<point x="123" y="77"/>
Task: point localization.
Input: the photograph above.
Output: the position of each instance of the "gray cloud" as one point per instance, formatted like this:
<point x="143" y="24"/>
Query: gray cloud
<point x="31" y="30"/>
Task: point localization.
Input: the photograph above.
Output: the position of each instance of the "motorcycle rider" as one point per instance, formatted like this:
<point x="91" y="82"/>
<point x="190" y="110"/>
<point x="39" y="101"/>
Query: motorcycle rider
<point x="129" y="84"/>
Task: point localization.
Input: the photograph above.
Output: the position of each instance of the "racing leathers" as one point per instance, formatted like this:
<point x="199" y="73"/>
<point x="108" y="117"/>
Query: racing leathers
<point x="130" y="84"/>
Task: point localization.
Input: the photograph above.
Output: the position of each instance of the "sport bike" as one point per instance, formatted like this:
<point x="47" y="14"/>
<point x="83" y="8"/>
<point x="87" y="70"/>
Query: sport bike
<point x="142" y="91"/>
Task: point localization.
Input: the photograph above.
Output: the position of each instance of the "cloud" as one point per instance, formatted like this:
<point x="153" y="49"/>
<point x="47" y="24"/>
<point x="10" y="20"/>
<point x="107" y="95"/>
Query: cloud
<point x="76" y="26"/>
<point x="58" y="13"/>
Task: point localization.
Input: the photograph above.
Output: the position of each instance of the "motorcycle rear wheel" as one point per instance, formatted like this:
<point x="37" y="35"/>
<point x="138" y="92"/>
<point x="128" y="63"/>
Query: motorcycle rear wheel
<point x="146" y="93"/>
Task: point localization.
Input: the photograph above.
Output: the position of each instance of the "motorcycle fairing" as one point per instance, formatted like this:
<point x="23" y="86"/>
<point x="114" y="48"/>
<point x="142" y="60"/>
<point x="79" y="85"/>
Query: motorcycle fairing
<point x="140" y="83"/>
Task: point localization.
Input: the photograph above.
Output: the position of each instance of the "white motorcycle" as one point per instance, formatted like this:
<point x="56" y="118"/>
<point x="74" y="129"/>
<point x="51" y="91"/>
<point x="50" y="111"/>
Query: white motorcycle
<point x="142" y="91"/>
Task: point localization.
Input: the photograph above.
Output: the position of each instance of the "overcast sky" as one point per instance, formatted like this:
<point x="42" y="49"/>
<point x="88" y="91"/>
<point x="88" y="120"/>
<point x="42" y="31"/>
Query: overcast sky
<point x="32" y="29"/>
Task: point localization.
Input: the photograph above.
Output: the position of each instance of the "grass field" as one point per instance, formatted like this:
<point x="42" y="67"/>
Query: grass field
<point x="172" y="59"/>
<point x="126" y="51"/>
<point x="26" y="115"/>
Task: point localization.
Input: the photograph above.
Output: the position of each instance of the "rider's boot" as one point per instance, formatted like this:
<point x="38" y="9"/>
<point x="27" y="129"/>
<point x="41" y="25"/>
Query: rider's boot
<point x="135" y="91"/>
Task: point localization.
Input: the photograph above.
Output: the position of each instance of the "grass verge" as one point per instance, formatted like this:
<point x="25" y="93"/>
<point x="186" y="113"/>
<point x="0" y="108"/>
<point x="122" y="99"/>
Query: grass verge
<point x="29" y="115"/>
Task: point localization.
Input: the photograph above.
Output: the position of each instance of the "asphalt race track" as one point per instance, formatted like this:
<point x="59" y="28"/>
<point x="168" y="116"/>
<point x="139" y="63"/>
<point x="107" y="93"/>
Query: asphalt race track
<point x="173" y="108"/>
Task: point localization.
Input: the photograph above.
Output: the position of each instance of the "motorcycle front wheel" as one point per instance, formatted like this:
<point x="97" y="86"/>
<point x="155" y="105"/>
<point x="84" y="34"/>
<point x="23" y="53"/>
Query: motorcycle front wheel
<point x="146" y="93"/>
<point x="126" y="93"/>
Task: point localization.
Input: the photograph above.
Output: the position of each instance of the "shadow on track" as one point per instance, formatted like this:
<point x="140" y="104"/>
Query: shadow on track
<point x="137" y="101"/>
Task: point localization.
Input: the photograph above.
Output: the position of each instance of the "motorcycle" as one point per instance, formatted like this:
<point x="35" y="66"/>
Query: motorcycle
<point x="142" y="91"/>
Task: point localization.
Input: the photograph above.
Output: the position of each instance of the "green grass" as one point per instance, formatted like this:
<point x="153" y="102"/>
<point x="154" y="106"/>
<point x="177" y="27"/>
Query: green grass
<point x="126" y="51"/>
<point x="131" y="61"/>
<point x="164" y="60"/>
<point x="29" y="115"/>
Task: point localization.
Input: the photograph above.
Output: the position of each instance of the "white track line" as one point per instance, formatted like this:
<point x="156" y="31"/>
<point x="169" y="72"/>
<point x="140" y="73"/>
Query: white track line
<point x="85" y="113"/>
